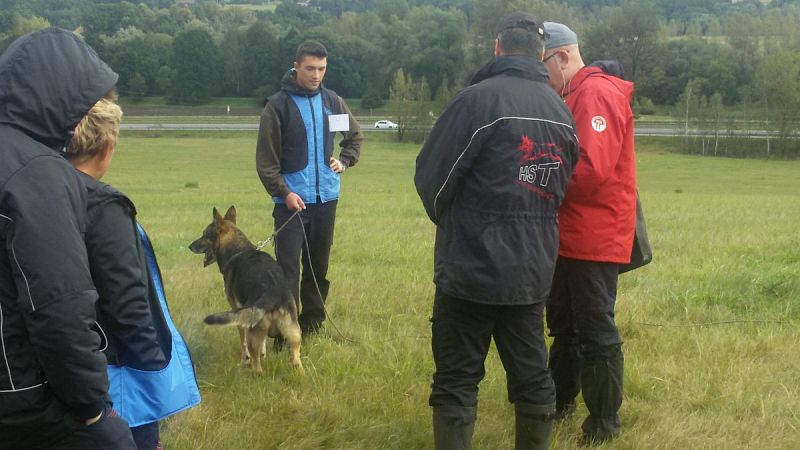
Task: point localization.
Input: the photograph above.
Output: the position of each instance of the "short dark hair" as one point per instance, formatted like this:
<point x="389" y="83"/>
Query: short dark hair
<point x="310" y="48"/>
<point x="520" y="41"/>
<point x="521" y="34"/>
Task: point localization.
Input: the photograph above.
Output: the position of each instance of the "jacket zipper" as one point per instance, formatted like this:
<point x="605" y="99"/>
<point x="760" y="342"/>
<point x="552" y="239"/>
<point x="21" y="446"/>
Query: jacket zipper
<point x="316" y="157"/>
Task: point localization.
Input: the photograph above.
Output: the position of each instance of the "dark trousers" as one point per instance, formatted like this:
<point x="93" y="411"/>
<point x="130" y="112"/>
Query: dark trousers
<point x="290" y="248"/>
<point x="462" y="331"/>
<point x="586" y="354"/>
<point x="146" y="436"/>
<point x="111" y="432"/>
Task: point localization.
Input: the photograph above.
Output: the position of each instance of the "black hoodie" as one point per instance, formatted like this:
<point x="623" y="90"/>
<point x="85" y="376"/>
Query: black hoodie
<point x="491" y="175"/>
<point x="52" y="372"/>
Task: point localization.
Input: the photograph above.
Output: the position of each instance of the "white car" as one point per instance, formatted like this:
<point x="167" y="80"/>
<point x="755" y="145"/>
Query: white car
<point x="385" y="124"/>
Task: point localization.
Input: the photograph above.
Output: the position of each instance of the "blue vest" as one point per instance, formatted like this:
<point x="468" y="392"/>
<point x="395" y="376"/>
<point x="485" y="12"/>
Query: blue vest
<point x="142" y="397"/>
<point x="306" y="144"/>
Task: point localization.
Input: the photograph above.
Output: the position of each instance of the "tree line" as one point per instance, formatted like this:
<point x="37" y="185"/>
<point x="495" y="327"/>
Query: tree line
<point x="684" y="55"/>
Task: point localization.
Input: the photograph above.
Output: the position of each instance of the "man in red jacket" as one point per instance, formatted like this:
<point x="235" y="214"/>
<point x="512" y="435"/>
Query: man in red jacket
<point x="597" y="221"/>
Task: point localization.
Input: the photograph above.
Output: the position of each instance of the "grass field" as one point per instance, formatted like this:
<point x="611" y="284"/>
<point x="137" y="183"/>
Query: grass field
<point x="711" y="333"/>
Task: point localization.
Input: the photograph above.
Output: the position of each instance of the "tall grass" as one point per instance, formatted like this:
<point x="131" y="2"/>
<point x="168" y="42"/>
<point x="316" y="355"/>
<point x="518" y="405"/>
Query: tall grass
<point x="711" y="334"/>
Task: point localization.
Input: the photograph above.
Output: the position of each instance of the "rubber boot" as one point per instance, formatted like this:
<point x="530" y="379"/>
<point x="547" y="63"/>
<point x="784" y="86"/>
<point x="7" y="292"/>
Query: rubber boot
<point x="534" y="426"/>
<point x="453" y="427"/>
<point x="601" y="382"/>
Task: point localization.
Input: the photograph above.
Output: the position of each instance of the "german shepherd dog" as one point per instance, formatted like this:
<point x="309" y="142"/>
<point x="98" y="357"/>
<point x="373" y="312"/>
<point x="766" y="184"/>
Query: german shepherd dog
<point x="261" y="303"/>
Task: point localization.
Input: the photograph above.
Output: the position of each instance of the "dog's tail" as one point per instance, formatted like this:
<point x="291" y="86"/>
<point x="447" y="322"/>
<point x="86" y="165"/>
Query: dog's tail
<point x="248" y="317"/>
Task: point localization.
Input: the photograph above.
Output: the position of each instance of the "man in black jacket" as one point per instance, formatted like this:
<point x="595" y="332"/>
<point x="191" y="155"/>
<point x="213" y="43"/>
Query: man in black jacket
<point x="491" y="176"/>
<point x="53" y="382"/>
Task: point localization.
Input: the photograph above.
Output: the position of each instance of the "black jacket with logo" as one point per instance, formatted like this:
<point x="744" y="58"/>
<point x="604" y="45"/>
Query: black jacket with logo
<point x="491" y="176"/>
<point x="52" y="372"/>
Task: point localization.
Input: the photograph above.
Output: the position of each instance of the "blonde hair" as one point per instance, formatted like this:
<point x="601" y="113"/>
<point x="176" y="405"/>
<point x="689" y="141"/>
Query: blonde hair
<point x="99" y="127"/>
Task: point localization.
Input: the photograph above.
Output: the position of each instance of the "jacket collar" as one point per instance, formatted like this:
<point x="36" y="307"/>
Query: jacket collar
<point x="578" y="79"/>
<point x="520" y="66"/>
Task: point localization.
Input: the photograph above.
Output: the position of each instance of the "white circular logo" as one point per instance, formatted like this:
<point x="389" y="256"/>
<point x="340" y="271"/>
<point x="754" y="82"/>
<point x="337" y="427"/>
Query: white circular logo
<point x="598" y="123"/>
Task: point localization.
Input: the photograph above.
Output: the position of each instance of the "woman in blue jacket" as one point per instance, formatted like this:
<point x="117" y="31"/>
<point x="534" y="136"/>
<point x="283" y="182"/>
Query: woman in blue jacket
<point x="149" y="367"/>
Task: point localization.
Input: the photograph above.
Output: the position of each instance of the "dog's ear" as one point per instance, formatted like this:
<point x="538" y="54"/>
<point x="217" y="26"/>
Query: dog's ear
<point x="231" y="214"/>
<point x="217" y="218"/>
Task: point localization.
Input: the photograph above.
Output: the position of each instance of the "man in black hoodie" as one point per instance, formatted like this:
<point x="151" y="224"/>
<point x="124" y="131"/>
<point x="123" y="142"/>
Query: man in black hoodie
<point x="491" y="176"/>
<point x="53" y="381"/>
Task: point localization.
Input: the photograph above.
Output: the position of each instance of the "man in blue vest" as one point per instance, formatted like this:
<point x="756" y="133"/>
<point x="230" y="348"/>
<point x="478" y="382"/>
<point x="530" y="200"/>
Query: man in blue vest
<point x="296" y="164"/>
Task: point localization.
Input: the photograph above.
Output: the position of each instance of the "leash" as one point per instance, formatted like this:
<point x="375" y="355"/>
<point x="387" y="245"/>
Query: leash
<point x="265" y="242"/>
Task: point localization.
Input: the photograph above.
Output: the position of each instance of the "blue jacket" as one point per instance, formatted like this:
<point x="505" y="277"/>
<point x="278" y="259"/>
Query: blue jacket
<point x="295" y="144"/>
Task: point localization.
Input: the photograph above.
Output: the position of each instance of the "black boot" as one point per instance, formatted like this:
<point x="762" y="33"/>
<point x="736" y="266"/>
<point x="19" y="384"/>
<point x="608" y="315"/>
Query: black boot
<point x="453" y="427"/>
<point x="601" y="382"/>
<point x="534" y="425"/>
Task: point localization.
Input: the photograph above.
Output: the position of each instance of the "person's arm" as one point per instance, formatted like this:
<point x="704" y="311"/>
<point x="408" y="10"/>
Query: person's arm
<point x="601" y="127"/>
<point x="268" y="153"/>
<point x="111" y="242"/>
<point x="448" y="154"/>
<point x="47" y="203"/>
<point x="350" y="146"/>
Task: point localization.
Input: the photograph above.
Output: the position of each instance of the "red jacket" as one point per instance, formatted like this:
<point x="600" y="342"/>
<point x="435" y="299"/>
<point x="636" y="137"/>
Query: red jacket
<point x="598" y="214"/>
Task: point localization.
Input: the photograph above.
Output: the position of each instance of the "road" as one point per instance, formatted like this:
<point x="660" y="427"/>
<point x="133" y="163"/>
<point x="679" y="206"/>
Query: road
<point x="642" y="130"/>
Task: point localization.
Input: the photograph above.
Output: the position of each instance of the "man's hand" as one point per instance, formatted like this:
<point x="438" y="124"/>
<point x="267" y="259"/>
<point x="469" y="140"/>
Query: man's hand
<point x="294" y="202"/>
<point x="337" y="166"/>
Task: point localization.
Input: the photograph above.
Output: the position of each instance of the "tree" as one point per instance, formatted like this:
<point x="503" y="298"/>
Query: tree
<point x="436" y="38"/>
<point x="401" y="96"/>
<point x="131" y="51"/>
<point x="136" y="87"/>
<point x="234" y="62"/>
<point x="163" y="83"/>
<point x="443" y="96"/>
<point x="780" y="90"/>
<point x="628" y="33"/>
<point x="263" y="66"/>
<point x="19" y="25"/>
<point x="422" y="114"/>
<point x="196" y="65"/>
<point x="373" y="96"/>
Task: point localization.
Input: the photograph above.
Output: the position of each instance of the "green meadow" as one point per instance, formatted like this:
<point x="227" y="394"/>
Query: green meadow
<point x="712" y="344"/>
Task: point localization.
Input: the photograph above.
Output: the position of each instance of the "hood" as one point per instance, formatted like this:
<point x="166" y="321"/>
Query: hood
<point x="289" y="84"/>
<point x="625" y="87"/>
<point x="49" y="79"/>
<point x="514" y="65"/>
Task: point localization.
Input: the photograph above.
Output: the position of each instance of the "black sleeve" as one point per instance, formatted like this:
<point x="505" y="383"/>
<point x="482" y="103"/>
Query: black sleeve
<point x="111" y="240"/>
<point x="448" y="154"/>
<point x="48" y="203"/>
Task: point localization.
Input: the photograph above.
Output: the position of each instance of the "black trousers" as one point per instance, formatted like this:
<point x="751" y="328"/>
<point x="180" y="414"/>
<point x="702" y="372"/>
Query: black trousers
<point x="462" y="331"/>
<point x="586" y="354"/>
<point x="147" y="436"/>
<point x="111" y="432"/>
<point x="318" y="220"/>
